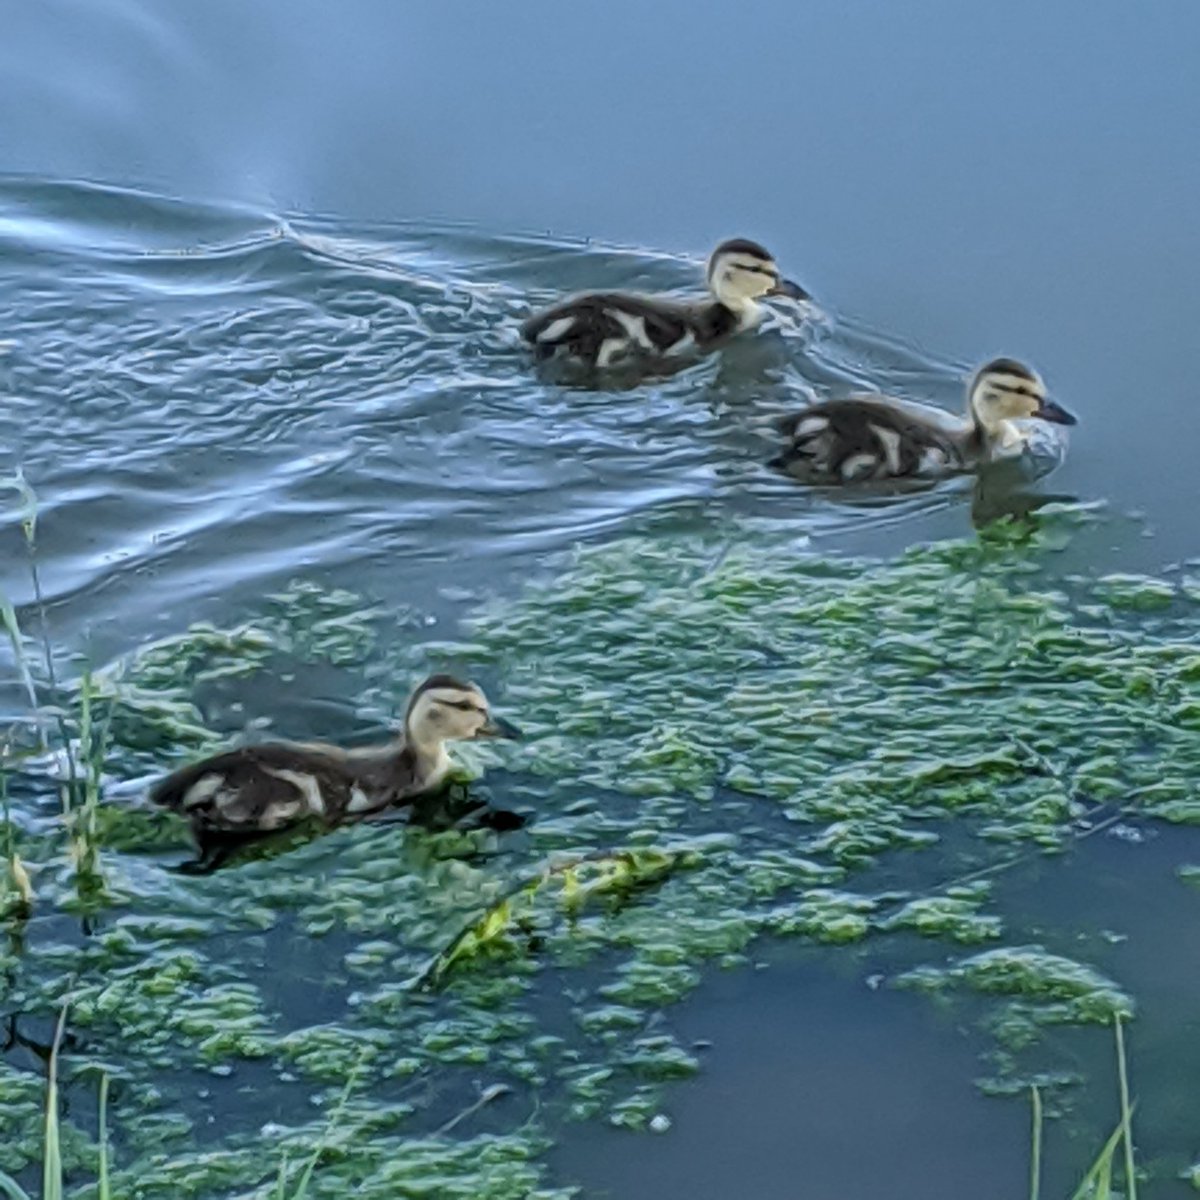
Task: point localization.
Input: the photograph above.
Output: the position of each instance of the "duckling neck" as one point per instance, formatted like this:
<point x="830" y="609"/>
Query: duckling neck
<point x="428" y="753"/>
<point x="745" y="312"/>
<point x="719" y="319"/>
<point x="1001" y="438"/>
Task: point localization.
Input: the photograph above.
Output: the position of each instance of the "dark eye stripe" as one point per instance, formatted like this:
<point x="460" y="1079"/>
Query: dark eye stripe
<point x="463" y="705"/>
<point x="1017" y="389"/>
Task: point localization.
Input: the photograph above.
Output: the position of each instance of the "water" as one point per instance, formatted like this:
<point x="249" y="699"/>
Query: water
<point x="259" y="272"/>
<point x="841" y="1082"/>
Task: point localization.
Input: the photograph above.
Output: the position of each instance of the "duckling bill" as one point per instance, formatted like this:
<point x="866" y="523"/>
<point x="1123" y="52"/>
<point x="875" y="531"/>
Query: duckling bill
<point x="879" y="437"/>
<point x="256" y="790"/>
<point x="602" y="329"/>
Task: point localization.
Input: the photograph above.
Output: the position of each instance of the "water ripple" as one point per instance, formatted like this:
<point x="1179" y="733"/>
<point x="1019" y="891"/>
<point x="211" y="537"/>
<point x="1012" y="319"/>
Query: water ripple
<point x="210" y="400"/>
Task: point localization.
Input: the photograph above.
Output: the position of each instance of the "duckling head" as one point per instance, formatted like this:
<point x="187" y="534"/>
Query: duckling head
<point x="741" y="271"/>
<point x="445" y="709"/>
<point x="1004" y="391"/>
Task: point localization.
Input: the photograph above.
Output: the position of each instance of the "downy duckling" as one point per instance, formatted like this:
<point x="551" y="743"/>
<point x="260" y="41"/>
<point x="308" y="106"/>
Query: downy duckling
<point x="599" y="329"/>
<point x="260" y="789"/>
<point x="879" y="437"/>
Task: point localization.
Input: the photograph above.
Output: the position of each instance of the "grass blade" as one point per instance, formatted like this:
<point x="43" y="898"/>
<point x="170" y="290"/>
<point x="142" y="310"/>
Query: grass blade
<point x="105" y="1190"/>
<point x="28" y="516"/>
<point x="306" y="1178"/>
<point x="1035" y="1164"/>
<point x="1097" y="1183"/>
<point x="8" y="616"/>
<point x="11" y="1189"/>
<point x="18" y="876"/>
<point x="52" y="1175"/>
<point x="1126" y="1111"/>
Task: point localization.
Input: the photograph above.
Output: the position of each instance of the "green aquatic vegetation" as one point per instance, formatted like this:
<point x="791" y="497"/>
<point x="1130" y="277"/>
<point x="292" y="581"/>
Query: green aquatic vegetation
<point x="360" y="1154"/>
<point x="722" y="742"/>
<point x="80" y="817"/>
<point x="22" y="1101"/>
<point x="149" y="701"/>
<point x="612" y="877"/>
<point x="1097" y="1181"/>
<point x="326" y="625"/>
<point x="1051" y="989"/>
<point x="954" y="917"/>
<point x="1139" y="593"/>
<point x="17" y="897"/>
<point x="82" y="745"/>
<point x="588" y="1088"/>
<point x="824" y="916"/>
<point x="636" y="1110"/>
<point x="659" y="1058"/>
<point x="611" y="1019"/>
<point x="159" y="1006"/>
<point x="640" y="982"/>
<point x="306" y="1175"/>
<point x="645" y="1063"/>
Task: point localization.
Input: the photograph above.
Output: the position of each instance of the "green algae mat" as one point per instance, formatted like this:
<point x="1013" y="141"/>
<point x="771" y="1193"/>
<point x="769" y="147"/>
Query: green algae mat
<point x="725" y="741"/>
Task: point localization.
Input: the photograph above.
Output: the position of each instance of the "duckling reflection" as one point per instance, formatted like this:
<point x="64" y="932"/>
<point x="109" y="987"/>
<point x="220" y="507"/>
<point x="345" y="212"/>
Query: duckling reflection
<point x="255" y="791"/>
<point x="875" y="437"/>
<point x="1002" y="491"/>
<point x="603" y="329"/>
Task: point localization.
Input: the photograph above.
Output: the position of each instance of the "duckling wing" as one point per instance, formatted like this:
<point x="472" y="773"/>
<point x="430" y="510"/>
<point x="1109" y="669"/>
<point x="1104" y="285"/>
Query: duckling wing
<point x="861" y="438"/>
<point x="258" y="789"/>
<point x="599" y="327"/>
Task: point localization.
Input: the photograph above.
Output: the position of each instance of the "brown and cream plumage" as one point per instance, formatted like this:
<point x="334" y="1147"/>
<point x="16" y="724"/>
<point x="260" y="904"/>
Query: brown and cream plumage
<point x="879" y="437"/>
<point x="601" y="329"/>
<point x="260" y="789"/>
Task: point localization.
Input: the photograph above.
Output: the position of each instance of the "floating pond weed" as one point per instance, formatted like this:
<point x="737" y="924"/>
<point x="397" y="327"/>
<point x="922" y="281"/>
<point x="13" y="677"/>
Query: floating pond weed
<point x="1056" y="990"/>
<point x="724" y="742"/>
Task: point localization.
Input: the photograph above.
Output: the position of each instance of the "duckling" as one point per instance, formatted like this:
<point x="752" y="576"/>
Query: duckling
<point x="879" y="437"/>
<point x="599" y="329"/>
<point x="261" y="789"/>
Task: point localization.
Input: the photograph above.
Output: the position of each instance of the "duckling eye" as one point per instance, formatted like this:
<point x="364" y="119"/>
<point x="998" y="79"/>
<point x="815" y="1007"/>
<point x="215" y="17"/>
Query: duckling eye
<point x="461" y="705"/>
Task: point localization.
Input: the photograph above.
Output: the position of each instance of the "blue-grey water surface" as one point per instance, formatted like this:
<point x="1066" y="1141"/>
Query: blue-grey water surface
<point x="260" y="267"/>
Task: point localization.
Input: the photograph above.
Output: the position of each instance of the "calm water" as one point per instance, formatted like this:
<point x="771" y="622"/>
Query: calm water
<point x="271" y="335"/>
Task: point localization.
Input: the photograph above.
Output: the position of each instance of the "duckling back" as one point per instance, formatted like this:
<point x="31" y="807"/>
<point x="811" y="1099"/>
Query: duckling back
<point x="599" y="329"/>
<point x="260" y="789"/>
<point x="864" y="438"/>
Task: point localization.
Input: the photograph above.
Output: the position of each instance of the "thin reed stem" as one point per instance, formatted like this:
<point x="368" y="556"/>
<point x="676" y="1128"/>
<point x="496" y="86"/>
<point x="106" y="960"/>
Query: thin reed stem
<point x="52" y="1173"/>
<point x="1126" y="1111"/>
<point x="306" y="1178"/>
<point x="29" y="518"/>
<point x="1035" y="1164"/>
